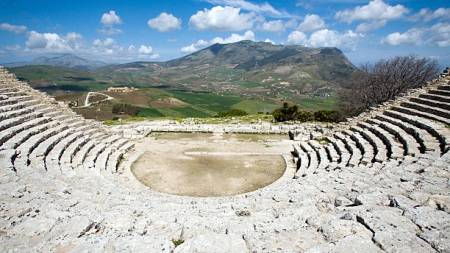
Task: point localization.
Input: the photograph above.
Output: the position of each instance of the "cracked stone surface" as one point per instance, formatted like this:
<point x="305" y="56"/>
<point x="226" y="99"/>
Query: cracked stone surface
<point x="93" y="203"/>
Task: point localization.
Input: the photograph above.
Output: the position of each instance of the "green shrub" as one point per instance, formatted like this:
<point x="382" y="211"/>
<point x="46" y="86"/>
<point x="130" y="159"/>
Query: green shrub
<point x="232" y="113"/>
<point x="327" y="116"/>
<point x="287" y="113"/>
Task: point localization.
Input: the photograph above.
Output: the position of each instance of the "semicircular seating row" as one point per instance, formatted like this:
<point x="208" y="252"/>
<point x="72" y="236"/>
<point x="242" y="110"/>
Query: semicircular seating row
<point x="412" y="127"/>
<point x="38" y="132"/>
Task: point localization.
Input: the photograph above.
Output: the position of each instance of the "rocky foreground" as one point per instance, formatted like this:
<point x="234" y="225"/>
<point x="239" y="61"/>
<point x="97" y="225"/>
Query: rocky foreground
<point x="380" y="182"/>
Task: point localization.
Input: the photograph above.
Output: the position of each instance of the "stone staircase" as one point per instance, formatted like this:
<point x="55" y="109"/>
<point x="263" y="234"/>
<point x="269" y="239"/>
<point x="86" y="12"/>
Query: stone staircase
<point x="38" y="132"/>
<point x="408" y="128"/>
<point x="378" y="183"/>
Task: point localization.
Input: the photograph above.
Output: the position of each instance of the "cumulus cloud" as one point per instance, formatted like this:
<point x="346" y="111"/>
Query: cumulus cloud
<point x="106" y="46"/>
<point x="438" y="34"/>
<point x="221" y="18"/>
<point x="374" y="10"/>
<point x="270" y="41"/>
<point x="145" y="49"/>
<point x="248" y="6"/>
<point x="195" y="46"/>
<point x="52" y="42"/>
<point x="427" y="15"/>
<point x="412" y="36"/>
<point x="297" y="38"/>
<point x="311" y="23"/>
<point x="110" y="18"/>
<point x="325" y="38"/>
<point x="273" y="26"/>
<point x="248" y="35"/>
<point x="165" y="22"/>
<point x="13" y="28"/>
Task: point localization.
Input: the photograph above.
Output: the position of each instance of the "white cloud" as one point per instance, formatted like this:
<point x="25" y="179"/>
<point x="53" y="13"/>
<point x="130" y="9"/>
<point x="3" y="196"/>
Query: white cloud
<point x="13" y="28"/>
<point x="270" y="41"/>
<point x="311" y="23"/>
<point x="165" y="22"/>
<point x="428" y="15"/>
<point x="110" y="18"/>
<point x="374" y="10"/>
<point x="248" y="35"/>
<point x="325" y="38"/>
<point x="195" y="46"/>
<point x="53" y="42"/>
<point x="145" y="50"/>
<point x="107" y="46"/>
<point x="412" y="36"/>
<point x="273" y="26"/>
<point x="370" y="26"/>
<point x="221" y="18"/>
<point x="246" y="5"/>
<point x="297" y="37"/>
<point x="438" y="34"/>
<point x="331" y="38"/>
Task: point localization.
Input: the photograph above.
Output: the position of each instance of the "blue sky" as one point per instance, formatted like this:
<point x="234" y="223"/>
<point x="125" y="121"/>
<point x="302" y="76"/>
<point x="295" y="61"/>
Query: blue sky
<point x="123" y="31"/>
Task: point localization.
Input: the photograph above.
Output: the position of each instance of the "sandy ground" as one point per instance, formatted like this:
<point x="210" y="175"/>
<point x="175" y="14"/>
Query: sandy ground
<point x="203" y="164"/>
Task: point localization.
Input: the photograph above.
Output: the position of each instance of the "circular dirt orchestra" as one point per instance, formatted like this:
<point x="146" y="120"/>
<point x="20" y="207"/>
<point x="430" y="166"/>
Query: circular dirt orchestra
<point x="209" y="165"/>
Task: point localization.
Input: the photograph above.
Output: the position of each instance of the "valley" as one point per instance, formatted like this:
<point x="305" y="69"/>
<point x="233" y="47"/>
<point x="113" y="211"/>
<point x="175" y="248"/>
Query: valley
<point x="256" y="77"/>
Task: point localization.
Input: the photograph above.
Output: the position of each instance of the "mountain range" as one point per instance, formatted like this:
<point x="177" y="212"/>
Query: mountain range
<point x="246" y="68"/>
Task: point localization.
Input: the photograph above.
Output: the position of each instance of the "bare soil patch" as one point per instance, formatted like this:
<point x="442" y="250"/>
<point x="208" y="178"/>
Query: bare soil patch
<point x="210" y="164"/>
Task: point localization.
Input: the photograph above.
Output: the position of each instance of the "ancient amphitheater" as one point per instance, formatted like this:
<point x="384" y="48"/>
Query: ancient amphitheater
<point x="379" y="182"/>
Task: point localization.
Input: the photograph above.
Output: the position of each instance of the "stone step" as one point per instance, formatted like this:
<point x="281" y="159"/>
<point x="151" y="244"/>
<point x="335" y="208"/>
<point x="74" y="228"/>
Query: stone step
<point x="363" y="145"/>
<point x="422" y="114"/>
<point x="343" y="152"/>
<point x="18" y="139"/>
<point x="355" y="152"/>
<point x="73" y="148"/>
<point x="321" y="154"/>
<point x="103" y="157"/>
<point x="432" y="103"/>
<point x="93" y="154"/>
<point x="7" y="157"/>
<point x="444" y="87"/>
<point x="16" y="113"/>
<point x="333" y="155"/>
<point x="302" y="162"/>
<point x="410" y="145"/>
<point x="21" y="119"/>
<point x="394" y="147"/>
<point x="380" y="150"/>
<point x="436" y="129"/>
<point x="27" y="148"/>
<point x="435" y="97"/>
<point x="426" y="142"/>
<point x="440" y="92"/>
<point x="56" y="153"/>
<point x="42" y="150"/>
<point x="312" y="156"/>
<point x="17" y="106"/>
<point x="8" y="133"/>
<point x="116" y="157"/>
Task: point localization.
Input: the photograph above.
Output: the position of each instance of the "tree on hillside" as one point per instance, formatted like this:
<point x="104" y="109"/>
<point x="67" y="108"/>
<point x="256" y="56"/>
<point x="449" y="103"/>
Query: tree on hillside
<point x="376" y="83"/>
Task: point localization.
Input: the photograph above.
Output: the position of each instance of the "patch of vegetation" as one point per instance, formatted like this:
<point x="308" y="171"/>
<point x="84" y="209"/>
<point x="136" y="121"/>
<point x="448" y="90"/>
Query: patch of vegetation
<point x="177" y="242"/>
<point x="232" y="113"/>
<point x="323" y="140"/>
<point x="290" y="113"/>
